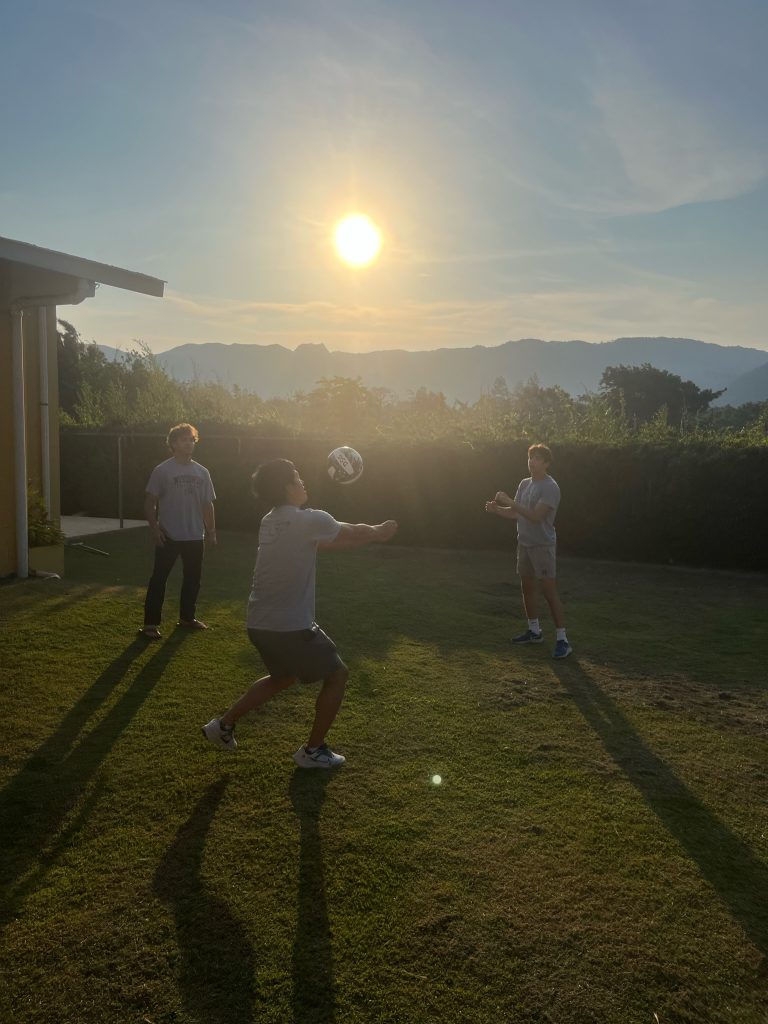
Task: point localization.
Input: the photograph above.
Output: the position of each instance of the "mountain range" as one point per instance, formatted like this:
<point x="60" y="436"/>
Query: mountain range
<point x="272" y="371"/>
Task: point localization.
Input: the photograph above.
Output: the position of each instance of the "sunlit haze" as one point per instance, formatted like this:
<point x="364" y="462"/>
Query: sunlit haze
<point x="564" y="170"/>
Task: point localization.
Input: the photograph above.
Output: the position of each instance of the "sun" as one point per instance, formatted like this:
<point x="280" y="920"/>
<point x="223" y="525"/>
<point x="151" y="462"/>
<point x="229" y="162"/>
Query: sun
<point x="357" y="240"/>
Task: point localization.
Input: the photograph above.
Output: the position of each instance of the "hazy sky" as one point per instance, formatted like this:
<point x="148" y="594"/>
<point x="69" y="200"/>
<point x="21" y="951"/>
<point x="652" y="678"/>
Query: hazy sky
<point x="559" y="169"/>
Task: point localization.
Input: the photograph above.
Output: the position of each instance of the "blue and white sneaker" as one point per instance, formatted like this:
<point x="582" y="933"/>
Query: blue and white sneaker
<point x="562" y="649"/>
<point x="528" y="637"/>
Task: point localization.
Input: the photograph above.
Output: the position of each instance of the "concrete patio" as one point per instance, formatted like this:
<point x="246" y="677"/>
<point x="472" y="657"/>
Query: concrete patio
<point x="85" y="526"/>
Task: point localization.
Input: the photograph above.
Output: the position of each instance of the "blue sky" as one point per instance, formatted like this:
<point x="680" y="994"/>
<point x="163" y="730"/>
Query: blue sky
<point x="565" y="169"/>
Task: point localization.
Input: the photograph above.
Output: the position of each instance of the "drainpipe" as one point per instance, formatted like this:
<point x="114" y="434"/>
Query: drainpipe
<point x="83" y="290"/>
<point x="45" y="423"/>
<point x="20" y="444"/>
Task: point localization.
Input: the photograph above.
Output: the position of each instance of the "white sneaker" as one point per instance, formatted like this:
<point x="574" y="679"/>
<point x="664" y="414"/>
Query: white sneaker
<point x="320" y="757"/>
<point x="219" y="736"/>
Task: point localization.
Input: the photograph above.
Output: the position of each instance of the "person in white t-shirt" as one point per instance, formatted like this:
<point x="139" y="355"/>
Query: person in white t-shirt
<point x="179" y="509"/>
<point x="534" y="507"/>
<point x="281" y="609"/>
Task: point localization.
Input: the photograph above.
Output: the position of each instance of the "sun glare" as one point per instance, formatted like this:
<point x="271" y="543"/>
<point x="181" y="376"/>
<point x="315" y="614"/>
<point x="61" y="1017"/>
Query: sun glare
<point x="357" y="240"/>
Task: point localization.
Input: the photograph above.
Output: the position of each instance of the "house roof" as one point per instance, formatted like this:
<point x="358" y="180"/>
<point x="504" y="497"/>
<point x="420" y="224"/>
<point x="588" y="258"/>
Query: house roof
<point x="76" y="266"/>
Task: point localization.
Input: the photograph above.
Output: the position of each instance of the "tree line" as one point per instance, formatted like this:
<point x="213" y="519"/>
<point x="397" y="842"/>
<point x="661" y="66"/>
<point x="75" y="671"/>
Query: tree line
<point x="632" y="404"/>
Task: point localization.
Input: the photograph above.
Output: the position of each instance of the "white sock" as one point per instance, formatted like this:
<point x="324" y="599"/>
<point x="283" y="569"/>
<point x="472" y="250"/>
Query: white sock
<point x="560" y="635"/>
<point x="533" y="625"/>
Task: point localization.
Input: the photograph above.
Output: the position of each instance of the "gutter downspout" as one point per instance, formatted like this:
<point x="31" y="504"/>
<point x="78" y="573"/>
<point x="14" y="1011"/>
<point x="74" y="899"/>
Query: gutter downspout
<point x="45" y="424"/>
<point x="19" y="444"/>
<point x="84" y="290"/>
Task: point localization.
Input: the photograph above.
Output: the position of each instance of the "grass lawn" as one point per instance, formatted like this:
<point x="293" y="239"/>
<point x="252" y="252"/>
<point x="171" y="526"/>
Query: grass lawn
<point x="597" y="850"/>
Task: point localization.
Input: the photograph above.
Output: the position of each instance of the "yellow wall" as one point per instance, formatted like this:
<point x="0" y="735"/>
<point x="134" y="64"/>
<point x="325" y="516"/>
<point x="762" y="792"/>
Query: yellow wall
<point x="33" y="425"/>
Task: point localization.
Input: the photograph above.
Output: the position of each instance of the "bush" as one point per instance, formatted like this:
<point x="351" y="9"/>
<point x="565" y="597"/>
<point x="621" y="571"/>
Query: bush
<point x="41" y="532"/>
<point x="697" y="504"/>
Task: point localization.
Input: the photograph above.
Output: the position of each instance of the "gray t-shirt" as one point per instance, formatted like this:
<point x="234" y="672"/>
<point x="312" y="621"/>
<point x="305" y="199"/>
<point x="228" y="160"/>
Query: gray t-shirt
<point x="181" y="489"/>
<point x="529" y="493"/>
<point x="283" y="591"/>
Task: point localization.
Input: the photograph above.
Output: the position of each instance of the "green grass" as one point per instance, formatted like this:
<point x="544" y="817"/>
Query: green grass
<point x="597" y="851"/>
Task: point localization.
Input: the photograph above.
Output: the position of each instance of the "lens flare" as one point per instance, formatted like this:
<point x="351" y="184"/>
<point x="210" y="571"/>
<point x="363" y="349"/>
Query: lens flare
<point x="437" y="780"/>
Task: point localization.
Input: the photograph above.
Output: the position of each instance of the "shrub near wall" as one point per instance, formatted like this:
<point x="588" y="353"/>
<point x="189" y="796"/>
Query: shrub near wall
<point x="691" y="505"/>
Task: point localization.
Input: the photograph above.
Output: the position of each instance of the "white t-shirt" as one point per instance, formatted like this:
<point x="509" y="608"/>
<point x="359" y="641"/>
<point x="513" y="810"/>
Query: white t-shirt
<point x="181" y="489"/>
<point x="529" y="493"/>
<point x="283" y="591"/>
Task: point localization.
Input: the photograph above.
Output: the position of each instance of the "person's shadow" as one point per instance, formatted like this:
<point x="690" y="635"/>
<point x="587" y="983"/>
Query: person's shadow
<point x="314" y="1000"/>
<point x="217" y="960"/>
<point x="36" y="801"/>
<point x="725" y="861"/>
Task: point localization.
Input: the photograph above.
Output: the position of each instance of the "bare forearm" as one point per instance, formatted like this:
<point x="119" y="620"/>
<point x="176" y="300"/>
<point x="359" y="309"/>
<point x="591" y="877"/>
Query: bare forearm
<point x="150" y="510"/>
<point x="209" y="518"/>
<point x="357" y="535"/>
<point x="496" y="508"/>
<point x="362" y="534"/>
<point x="533" y="515"/>
<point x="151" y="513"/>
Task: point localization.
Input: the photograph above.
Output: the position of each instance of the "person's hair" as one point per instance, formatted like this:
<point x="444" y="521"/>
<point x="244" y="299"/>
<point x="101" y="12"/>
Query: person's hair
<point x="542" y="451"/>
<point x="270" y="481"/>
<point x="176" y="432"/>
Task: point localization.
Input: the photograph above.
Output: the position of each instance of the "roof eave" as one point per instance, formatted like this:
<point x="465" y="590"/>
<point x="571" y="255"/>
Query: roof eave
<point x="76" y="266"/>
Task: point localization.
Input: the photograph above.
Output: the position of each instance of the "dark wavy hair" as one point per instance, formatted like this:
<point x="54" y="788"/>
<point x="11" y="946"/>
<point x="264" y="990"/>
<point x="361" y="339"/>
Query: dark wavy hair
<point x="270" y="481"/>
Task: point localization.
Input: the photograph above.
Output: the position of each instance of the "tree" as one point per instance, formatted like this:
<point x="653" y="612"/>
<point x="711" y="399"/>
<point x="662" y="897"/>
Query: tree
<point x="80" y="363"/>
<point x="340" y="405"/>
<point x="641" y="391"/>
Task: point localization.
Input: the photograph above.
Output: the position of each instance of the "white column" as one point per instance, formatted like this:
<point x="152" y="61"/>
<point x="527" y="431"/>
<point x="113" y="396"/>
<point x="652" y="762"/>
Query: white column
<point x="20" y="445"/>
<point x="45" y="422"/>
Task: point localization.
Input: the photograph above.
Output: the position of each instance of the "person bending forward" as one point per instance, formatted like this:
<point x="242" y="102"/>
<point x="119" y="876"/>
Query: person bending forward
<point x="281" y="609"/>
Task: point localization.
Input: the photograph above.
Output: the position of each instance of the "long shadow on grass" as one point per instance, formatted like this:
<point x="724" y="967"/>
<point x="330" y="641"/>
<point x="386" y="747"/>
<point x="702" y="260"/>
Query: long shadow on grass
<point x="313" y="985"/>
<point x="217" y="961"/>
<point x="32" y="606"/>
<point x="731" y="868"/>
<point x="36" y="801"/>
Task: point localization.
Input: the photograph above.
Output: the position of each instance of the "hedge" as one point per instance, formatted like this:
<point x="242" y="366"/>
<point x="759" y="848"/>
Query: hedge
<point x="692" y="505"/>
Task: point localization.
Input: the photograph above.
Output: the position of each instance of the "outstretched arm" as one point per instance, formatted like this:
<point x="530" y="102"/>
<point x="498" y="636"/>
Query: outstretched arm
<point x="356" y="536"/>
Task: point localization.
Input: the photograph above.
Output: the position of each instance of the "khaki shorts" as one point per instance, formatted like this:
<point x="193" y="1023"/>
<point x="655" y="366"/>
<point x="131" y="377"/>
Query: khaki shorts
<point x="538" y="561"/>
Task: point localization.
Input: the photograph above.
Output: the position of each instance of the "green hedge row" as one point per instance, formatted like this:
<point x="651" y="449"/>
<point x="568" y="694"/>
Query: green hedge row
<point x="684" y="505"/>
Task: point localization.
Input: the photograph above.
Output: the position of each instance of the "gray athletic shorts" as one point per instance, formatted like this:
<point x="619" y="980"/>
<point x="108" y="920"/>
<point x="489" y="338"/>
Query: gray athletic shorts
<point x="538" y="560"/>
<point x="307" y="654"/>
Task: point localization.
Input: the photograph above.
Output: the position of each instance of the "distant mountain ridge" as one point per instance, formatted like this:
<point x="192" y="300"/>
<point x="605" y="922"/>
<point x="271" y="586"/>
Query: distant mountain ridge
<point x="272" y="371"/>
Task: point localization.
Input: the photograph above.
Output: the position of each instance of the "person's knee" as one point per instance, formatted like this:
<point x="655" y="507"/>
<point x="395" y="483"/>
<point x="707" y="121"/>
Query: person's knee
<point x="339" y="676"/>
<point x="282" y="682"/>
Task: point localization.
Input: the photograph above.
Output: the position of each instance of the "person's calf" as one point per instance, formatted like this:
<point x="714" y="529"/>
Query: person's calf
<point x="259" y="693"/>
<point x="551" y="596"/>
<point x="327" y="705"/>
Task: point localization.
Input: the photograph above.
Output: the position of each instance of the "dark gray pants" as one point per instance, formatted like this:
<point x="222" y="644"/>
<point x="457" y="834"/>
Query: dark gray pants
<point x="191" y="554"/>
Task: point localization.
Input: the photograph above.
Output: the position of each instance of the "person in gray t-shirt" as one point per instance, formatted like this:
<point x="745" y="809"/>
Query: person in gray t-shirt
<point x="179" y="509"/>
<point x="534" y="508"/>
<point x="281" y="609"/>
